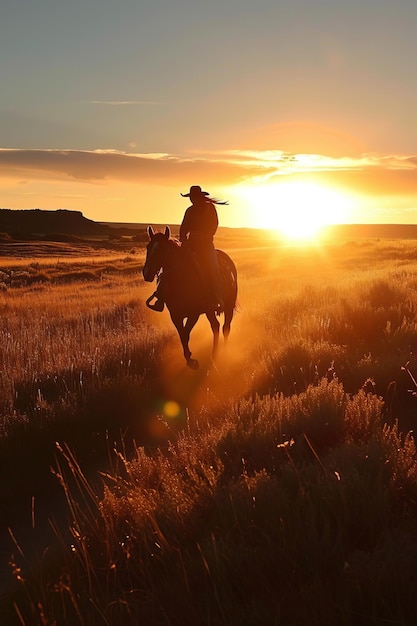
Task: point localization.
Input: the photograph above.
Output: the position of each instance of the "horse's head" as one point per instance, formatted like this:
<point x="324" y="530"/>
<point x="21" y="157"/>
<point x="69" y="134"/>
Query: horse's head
<point x="156" y="253"/>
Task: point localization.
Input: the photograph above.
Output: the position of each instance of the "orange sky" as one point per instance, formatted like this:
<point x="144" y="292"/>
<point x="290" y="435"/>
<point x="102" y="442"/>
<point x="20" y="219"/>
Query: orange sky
<point x="131" y="187"/>
<point x="114" y="109"/>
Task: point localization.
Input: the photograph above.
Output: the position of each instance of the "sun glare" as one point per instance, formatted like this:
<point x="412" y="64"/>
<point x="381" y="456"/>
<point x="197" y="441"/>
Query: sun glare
<point x="297" y="210"/>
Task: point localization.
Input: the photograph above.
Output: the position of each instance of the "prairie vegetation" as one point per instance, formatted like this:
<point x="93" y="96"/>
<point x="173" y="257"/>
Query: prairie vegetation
<point x="276" y="486"/>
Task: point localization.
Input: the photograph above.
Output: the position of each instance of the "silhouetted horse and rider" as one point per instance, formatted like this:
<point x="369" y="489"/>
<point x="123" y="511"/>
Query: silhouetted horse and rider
<point x="193" y="277"/>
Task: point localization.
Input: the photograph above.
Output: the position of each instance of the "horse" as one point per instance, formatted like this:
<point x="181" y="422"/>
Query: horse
<point x="184" y="289"/>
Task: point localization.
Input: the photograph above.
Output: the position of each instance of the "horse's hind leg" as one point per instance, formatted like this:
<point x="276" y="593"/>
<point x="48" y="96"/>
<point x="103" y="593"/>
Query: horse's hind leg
<point x="230" y="296"/>
<point x="228" y="316"/>
<point x="215" y="327"/>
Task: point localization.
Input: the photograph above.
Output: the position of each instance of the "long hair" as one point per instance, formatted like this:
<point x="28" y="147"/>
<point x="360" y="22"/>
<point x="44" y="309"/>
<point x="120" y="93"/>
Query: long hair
<point x="214" y="200"/>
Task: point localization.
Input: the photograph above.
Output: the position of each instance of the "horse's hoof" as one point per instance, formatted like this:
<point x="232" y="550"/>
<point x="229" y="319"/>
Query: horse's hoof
<point x="193" y="364"/>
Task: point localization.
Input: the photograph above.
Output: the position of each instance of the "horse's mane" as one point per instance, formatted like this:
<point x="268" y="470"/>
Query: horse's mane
<point x="173" y="241"/>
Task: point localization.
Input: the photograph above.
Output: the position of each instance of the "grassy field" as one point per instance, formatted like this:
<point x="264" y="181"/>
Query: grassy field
<point x="275" y="486"/>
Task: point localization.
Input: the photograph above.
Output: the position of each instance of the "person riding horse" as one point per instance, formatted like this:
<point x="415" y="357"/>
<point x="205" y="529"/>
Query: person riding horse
<point x="196" y="235"/>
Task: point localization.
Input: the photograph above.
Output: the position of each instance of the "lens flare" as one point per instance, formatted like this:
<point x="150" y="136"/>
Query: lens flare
<point x="171" y="409"/>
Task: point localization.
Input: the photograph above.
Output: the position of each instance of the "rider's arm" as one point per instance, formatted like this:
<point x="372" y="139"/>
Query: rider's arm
<point x="184" y="228"/>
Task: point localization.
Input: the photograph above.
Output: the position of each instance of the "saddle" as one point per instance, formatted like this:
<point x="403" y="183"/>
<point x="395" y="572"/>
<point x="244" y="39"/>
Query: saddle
<point x="206" y="278"/>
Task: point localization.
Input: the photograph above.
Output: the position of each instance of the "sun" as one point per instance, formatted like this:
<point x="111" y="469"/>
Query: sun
<point x="297" y="210"/>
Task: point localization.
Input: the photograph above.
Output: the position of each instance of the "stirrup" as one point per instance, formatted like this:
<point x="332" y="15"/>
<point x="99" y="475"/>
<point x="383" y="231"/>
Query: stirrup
<point x="156" y="306"/>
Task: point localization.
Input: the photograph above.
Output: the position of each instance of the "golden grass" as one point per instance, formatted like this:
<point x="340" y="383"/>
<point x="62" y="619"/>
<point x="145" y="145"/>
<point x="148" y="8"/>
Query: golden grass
<point x="273" y="485"/>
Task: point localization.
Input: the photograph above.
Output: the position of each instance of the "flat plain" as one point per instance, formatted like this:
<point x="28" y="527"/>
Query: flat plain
<point x="276" y="485"/>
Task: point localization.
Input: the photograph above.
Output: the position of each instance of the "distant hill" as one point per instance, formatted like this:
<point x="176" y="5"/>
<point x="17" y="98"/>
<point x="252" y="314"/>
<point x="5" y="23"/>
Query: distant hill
<point x="33" y="222"/>
<point x="17" y="222"/>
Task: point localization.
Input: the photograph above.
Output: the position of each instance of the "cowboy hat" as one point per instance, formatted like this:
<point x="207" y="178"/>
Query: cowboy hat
<point x="195" y="190"/>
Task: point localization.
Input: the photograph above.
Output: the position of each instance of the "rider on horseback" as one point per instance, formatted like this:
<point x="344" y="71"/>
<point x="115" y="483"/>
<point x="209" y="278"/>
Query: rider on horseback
<point x="197" y="230"/>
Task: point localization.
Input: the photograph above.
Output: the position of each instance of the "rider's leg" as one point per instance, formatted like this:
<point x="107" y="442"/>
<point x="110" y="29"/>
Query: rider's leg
<point x="206" y="263"/>
<point x="214" y="279"/>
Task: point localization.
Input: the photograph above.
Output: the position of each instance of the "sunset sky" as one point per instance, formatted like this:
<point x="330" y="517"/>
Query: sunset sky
<point x="282" y="107"/>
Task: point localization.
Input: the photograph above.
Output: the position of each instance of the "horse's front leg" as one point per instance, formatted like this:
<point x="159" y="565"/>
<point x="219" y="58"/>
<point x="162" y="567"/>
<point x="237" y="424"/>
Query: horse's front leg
<point x="184" y="331"/>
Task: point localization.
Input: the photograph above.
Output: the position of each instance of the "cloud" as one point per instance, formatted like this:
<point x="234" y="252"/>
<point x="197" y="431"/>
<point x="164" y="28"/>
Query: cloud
<point x="124" y="102"/>
<point x="102" y="165"/>
<point x="368" y="173"/>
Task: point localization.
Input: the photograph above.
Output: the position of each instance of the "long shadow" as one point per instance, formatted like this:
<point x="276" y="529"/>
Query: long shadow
<point x="118" y="411"/>
<point x="147" y="406"/>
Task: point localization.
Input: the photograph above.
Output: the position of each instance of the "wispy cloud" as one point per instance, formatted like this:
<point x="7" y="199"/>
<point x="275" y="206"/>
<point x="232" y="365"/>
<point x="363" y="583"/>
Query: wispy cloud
<point x="370" y="173"/>
<point x="290" y="163"/>
<point x="125" y="102"/>
<point x="115" y="165"/>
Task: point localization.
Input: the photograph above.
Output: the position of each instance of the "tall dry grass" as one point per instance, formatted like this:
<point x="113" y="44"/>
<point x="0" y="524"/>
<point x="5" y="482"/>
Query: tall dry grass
<point x="277" y="488"/>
